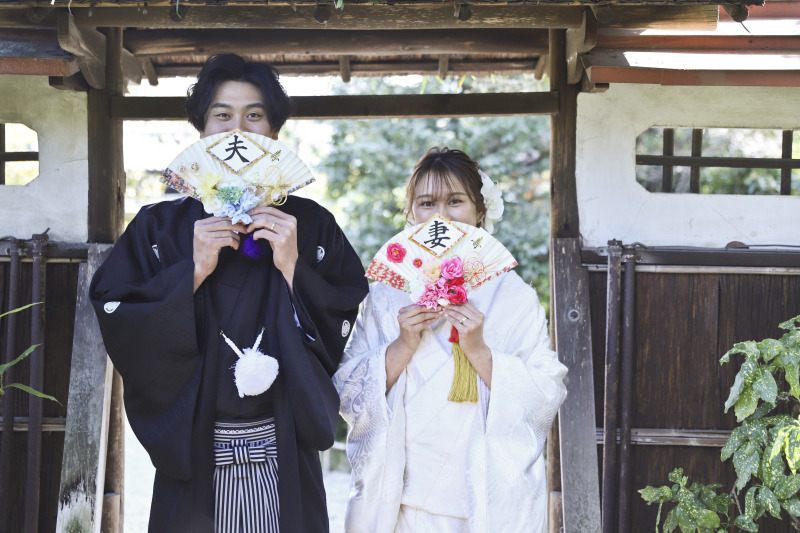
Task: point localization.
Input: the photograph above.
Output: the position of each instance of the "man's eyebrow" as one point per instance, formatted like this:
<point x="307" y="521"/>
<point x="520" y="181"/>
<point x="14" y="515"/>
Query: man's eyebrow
<point x="229" y="106"/>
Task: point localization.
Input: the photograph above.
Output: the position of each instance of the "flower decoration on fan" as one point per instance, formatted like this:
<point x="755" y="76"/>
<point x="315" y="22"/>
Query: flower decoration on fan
<point x="439" y="263"/>
<point x="233" y="172"/>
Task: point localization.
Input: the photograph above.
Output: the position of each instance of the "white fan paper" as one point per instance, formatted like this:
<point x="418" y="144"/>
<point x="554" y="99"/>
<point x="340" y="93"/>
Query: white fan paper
<point x="405" y="260"/>
<point x="235" y="171"/>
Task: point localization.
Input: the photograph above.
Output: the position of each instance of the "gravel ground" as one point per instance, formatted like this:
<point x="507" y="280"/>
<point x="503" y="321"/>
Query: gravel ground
<point x="139" y="473"/>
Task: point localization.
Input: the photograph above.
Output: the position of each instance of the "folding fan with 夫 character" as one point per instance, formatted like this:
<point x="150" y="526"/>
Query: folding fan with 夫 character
<point x="233" y="172"/>
<point x="439" y="263"/>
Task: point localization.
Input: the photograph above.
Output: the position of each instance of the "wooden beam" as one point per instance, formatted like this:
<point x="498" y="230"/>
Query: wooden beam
<point x="176" y="42"/>
<point x="380" y="68"/>
<point x="726" y="78"/>
<point x="353" y="17"/>
<point x="38" y="66"/>
<point x="729" y="44"/>
<point x="371" y="106"/>
<point x="88" y="45"/>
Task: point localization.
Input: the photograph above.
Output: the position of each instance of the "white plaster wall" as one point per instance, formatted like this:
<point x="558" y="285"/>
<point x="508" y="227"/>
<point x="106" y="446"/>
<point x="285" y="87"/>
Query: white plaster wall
<point x="57" y="199"/>
<point x="613" y="206"/>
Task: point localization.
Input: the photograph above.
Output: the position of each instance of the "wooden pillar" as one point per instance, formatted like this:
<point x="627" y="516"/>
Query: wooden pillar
<point x="106" y="171"/>
<point x="106" y="219"/>
<point x="563" y="207"/>
<point x="563" y="195"/>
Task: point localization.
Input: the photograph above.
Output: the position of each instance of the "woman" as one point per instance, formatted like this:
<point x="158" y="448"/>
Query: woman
<point x="421" y="462"/>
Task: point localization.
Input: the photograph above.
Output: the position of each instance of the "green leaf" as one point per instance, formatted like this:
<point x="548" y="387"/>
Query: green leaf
<point x="18" y="309"/>
<point x="746" y="403"/>
<point x="671" y="523"/>
<point x="787" y="487"/>
<point x="32" y="391"/>
<point x="792" y="376"/>
<point x="706" y="518"/>
<point x="722" y="502"/>
<point x="771" y="469"/>
<point x="791" y="324"/>
<point x="769" y="501"/>
<point x="792" y="506"/>
<point x="656" y="494"/>
<point x="685" y="522"/>
<point x="22" y="356"/>
<point x="745" y="461"/>
<point x="745" y="524"/>
<point x="676" y="476"/>
<point x="750" y="510"/>
<point x="743" y="378"/>
<point x="792" y="449"/>
<point x="765" y="386"/>
<point x="770" y="349"/>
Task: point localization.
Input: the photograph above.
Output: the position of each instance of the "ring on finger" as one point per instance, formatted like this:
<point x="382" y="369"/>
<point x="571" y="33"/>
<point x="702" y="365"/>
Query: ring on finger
<point x="462" y="320"/>
<point x="272" y="227"/>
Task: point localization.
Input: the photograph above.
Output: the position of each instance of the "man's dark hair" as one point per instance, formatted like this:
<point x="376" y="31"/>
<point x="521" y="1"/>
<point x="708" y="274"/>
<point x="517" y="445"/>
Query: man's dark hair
<point x="231" y="67"/>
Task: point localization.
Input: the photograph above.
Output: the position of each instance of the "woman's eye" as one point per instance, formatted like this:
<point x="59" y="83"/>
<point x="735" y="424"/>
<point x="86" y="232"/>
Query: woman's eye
<point x="455" y="201"/>
<point x="426" y="203"/>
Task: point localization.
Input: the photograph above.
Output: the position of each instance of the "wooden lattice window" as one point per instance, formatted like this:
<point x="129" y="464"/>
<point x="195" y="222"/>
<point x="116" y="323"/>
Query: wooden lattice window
<point x="19" y="154"/>
<point x="719" y="161"/>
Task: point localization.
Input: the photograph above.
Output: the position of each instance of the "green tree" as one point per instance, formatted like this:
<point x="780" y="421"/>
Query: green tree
<point x="370" y="161"/>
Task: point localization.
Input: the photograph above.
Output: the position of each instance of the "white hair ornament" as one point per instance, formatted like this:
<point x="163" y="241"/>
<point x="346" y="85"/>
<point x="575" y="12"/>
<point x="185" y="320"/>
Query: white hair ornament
<point x="255" y="371"/>
<point x="493" y="200"/>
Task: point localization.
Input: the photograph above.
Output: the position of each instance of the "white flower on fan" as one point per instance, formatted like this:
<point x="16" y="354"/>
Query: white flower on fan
<point x="417" y="287"/>
<point x="493" y="200"/>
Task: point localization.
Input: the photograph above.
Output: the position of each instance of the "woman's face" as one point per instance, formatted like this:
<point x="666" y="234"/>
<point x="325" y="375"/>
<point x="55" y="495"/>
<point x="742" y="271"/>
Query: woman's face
<point x="237" y="105"/>
<point x="453" y="203"/>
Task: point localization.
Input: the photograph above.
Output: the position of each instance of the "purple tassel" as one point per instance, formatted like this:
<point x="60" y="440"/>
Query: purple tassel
<point x="251" y="248"/>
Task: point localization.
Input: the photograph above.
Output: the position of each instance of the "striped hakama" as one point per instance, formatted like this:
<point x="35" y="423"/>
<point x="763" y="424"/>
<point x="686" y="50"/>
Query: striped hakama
<point x="246" y="477"/>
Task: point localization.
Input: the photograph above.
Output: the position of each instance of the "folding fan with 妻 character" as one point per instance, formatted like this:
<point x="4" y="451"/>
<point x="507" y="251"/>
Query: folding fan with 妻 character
<point x="408" y="257"/>
<point x="233" y="172"/>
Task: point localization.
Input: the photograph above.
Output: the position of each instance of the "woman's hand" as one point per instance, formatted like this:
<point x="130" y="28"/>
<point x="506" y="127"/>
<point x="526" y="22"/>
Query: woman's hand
<point x="210" y="236"/>
<point x="468" y="321"/>
<point x="280" y="230"/>
<point x="412" y="319"/>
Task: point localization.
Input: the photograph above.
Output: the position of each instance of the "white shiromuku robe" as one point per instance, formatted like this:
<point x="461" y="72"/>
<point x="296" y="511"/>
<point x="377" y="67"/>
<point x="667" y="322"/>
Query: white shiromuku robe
<point x="417" y="457"/>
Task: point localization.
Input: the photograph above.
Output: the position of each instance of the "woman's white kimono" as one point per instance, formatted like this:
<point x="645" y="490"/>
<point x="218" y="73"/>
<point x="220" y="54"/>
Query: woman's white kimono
<point x="478" y="462"/>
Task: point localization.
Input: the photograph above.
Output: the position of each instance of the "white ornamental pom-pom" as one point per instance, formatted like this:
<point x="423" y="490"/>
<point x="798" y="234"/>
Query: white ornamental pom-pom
<point x="254" y="372"/>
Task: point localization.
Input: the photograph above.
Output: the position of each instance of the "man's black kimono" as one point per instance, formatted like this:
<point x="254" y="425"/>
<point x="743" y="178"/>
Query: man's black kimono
<point x="177" y="370"/>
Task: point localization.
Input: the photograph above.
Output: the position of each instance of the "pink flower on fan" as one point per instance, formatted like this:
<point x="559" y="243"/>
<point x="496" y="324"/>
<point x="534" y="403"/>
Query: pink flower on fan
<point x="417" y="262"/>
<point x="395" y="252"/>
<point x="456" y="294"/>
<point x="452" y="268"/>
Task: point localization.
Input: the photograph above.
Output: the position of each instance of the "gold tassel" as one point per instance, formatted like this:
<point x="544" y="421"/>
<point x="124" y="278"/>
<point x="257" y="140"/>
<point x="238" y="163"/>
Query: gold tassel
<point x="465" y="378"/>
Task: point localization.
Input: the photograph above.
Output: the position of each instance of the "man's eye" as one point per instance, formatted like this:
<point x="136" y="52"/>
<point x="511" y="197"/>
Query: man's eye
<point x="221" y="115"/>
<point x="254" y="116"/>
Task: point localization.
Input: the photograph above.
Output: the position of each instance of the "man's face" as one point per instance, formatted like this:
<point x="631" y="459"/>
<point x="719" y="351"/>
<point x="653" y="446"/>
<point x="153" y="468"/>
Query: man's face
<point x="237" y="105"/>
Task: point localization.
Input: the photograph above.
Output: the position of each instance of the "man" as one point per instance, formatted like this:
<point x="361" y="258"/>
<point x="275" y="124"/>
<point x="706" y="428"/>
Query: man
<point x="176" y="280"/>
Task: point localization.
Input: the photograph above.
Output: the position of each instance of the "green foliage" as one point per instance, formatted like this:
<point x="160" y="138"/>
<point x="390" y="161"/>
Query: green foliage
<point x="765" y="448"/>
<point x="699" y="508"/>
<point x="370" y="162"/>
<point x="4" y="367"/>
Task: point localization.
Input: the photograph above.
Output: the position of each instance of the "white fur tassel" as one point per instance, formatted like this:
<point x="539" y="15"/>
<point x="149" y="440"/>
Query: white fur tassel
<point x="255" y="371"/>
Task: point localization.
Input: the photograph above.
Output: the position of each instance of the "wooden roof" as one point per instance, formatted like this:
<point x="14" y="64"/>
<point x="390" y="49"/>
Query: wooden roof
<point x="683" y="42"/>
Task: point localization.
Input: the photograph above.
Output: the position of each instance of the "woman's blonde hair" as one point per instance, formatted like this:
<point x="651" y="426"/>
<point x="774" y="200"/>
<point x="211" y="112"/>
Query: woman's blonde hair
<point x="446" y="167"/>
